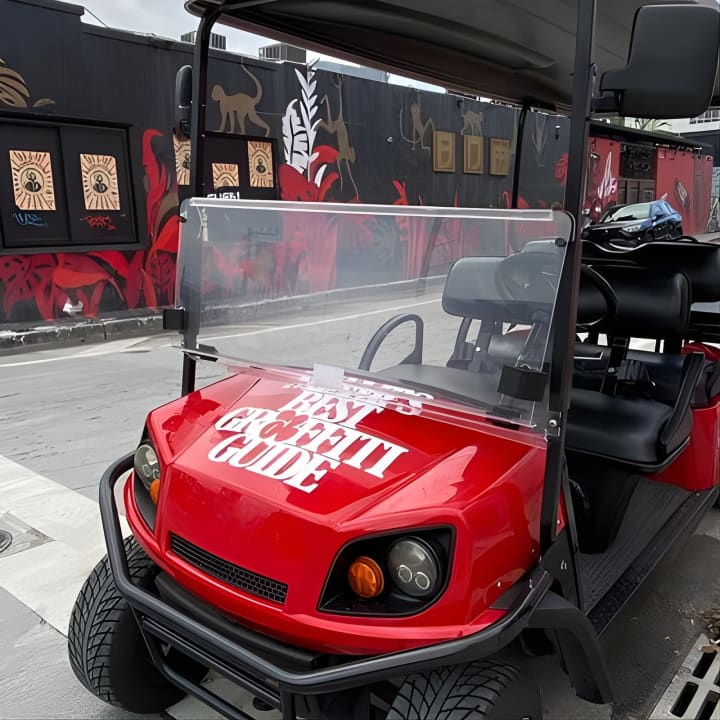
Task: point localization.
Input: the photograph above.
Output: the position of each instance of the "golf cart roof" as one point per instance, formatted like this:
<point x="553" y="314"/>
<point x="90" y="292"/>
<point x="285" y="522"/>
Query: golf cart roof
<point x="511" y="50"/>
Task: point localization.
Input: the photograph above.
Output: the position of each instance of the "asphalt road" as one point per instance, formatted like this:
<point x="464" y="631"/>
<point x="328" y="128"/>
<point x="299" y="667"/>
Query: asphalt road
<point x="66" y="413"/>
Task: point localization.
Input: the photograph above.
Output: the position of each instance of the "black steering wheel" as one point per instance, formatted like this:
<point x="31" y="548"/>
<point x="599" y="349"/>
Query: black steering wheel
<point x="529" y="277"/>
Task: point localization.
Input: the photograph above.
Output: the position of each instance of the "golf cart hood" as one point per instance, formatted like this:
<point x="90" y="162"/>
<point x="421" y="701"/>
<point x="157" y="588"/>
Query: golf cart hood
<point x="266" y="448"/>
<point x="511" y="51"/>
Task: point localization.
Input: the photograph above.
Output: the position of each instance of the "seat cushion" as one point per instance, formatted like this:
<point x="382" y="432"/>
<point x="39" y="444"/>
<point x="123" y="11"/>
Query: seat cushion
<point x="625" y="430"/>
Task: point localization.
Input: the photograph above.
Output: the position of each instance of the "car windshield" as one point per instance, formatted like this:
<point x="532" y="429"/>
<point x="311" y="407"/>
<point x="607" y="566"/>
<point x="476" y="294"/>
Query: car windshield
<point x="449" y="305"/>
<point x="640" y="211"/>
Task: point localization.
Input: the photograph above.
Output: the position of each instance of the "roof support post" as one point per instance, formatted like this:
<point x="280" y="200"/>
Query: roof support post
<point x="563" y="345"/>
<point x="193" y="254"/>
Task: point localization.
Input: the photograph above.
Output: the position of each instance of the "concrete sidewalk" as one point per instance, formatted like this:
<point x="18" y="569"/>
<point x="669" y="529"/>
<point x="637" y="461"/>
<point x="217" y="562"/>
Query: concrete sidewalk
<point x="78" y="331"/>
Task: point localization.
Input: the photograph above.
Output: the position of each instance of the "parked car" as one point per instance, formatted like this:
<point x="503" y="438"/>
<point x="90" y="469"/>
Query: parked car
<point x="636" y="223"/>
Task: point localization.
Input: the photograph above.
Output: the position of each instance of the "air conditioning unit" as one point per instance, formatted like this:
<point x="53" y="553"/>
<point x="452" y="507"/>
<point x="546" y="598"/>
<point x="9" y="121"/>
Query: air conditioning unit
<point x="280" y="52"/>
<point x="217" y="41"/>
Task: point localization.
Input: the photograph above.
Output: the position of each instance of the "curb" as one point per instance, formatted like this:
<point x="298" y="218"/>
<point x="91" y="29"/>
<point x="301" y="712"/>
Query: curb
<point x="77" y="333"/>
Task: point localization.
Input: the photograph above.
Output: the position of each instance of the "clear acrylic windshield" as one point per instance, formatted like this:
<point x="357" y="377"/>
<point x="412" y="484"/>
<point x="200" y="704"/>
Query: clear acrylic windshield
<point x="451" y="305"/>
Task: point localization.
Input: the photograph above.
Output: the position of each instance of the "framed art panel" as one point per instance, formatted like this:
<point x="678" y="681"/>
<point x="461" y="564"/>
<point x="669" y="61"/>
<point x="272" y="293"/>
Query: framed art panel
<point x="260" y="164"/>
<point x="240" y="166"/>
<point x="99" y="191"/>
<point x="443" y="151"/>
<point x="499" y="156"/>
<point x="181" y="150"/>
<point x="474" y="154"/>
<point x="32" y="186"/>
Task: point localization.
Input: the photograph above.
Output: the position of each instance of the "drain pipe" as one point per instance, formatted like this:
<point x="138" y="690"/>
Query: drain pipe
<point x="518" y="155"/>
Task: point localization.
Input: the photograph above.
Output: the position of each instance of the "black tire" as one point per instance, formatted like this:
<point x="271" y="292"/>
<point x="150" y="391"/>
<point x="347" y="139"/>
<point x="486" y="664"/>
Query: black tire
<point x="482" y="690"/>
<point x="106" y="650"/>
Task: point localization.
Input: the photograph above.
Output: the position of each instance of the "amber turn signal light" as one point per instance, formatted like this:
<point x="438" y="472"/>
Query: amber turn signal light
<point x="154" y="491"/>
<point x="366" y="578"/>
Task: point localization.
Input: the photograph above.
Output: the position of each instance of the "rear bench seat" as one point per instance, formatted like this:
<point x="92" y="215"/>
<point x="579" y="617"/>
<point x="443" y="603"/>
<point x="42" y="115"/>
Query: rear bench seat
<point x="700" y="263"/>
<point x="646" y="429"/>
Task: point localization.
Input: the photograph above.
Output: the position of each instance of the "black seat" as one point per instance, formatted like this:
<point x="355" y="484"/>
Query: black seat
<point x="635" y="431"/>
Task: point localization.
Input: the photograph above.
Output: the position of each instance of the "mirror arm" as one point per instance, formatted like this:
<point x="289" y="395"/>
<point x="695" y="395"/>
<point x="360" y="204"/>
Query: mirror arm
<point x="607" y="103"/>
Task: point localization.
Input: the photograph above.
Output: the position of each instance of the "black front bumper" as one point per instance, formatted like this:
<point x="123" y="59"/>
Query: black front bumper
<point x="243" y="656"/>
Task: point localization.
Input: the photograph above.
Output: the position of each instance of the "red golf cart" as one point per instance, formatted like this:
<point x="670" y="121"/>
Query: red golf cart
<point x="404" y="486"/>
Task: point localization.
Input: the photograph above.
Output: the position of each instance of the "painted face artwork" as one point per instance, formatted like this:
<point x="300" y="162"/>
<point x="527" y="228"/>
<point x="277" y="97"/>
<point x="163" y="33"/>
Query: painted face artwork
<point x="32" y="180"/>
<point x="100" y="182"/>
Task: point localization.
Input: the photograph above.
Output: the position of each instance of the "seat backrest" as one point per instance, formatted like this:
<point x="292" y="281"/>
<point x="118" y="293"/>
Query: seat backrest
<point x="698" y="261"/>
<point x="651" y="304"/>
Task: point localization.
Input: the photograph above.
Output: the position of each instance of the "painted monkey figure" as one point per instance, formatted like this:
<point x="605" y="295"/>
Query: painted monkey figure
<point x="472" y="121"/>
<point x="419" y="129"/>
<point x="338" y="127"/>
<point x="235" y="109"/>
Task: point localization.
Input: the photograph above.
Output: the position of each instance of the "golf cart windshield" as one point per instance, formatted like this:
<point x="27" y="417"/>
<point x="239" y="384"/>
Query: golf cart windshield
<point x="454" y="304"/>
<point x="639" y="211"/>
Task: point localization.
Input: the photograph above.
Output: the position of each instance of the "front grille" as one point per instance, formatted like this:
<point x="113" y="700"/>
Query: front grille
<point x="225" y="571"/>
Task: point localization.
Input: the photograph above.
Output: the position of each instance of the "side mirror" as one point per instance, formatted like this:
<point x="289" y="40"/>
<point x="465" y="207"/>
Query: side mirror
<point x="667" y="78"/>
<point x="183" y="102"/>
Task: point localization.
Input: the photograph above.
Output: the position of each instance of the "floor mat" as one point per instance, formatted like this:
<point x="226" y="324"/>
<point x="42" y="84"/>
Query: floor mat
<point x="651" y="506"/>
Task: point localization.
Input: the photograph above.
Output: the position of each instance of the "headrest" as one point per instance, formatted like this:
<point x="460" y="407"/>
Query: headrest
<point x="499" y="288"/>
<point x="654" y="305"/>
<point x="699" y="261"/>
<point x="470" y="289"/>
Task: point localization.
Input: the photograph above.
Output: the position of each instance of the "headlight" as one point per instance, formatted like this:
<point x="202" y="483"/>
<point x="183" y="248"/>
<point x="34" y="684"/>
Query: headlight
<point x="413" y="567"/>
<point x="633" y="228"/>
<point x="147" y="469"/>
<point x="392" y="574"/>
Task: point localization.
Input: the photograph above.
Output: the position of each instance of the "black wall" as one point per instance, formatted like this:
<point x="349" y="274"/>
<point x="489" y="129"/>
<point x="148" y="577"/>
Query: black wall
<point x="100" y="75"/>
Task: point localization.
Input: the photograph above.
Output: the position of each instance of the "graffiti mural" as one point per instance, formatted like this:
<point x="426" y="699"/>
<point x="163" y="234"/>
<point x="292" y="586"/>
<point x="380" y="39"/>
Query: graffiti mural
<point x="337" y="126"/>
<point x="601" y="190"/>
<point x="602" y="178"/>
<point x="47" y="286"/>
<point x="420" y="129"/>
<point x="681" y="177"/>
